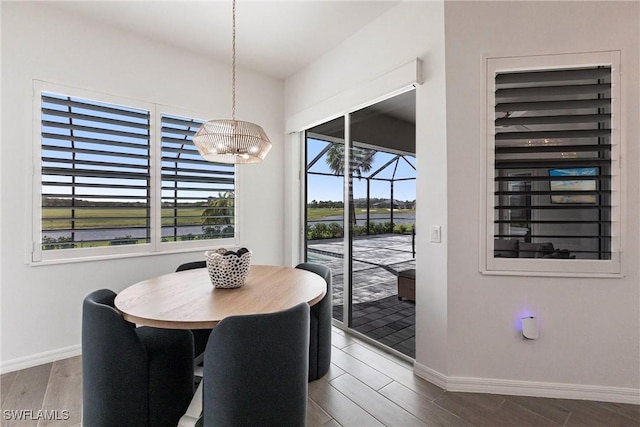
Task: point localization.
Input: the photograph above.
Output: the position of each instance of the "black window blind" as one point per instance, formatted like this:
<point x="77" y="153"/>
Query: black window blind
<point x="553" y="159"/>
<point x="95" y="173"/>
<point x="198" y="197"/>
<point x="98" y="184"/>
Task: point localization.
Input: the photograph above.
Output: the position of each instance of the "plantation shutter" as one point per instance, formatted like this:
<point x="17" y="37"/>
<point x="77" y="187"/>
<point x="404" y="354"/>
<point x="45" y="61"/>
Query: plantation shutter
<point x="95" y="173"/>
<point x="553" y="160"/>
<point x="198" y="197"/>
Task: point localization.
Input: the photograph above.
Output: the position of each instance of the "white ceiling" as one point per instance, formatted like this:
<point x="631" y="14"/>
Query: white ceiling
<point x="276" y="38"/>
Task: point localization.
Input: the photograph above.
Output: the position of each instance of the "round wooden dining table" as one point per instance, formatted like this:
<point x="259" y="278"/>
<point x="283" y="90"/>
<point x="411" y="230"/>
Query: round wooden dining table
<point x="188" y="300"/>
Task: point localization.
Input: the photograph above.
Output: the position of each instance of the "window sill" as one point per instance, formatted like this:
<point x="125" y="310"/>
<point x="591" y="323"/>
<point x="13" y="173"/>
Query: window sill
<point x="167" y="249"/>
<point x="553" y="274"/>
<point x="553" y="268"/>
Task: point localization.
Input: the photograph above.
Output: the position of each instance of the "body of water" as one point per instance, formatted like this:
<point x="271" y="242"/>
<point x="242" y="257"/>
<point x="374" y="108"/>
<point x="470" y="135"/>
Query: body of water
<point x="121" y="233"/>
<point x="361" y="219"/>
<point x="110" y="234"/>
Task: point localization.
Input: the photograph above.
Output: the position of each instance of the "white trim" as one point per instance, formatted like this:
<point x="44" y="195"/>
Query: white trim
<point x="155" y="175"/>
<point x="529" y="388"/>
<point x="302" y="193"/>
<point x="219" y="243"/>
<point x="33" y="251"/>
<point x="431" y="375"/>
<point x="490" y="265"/>
<point x="396" y="81"/>
<point x="294" y="185"/>
<point x="40" y="358"/>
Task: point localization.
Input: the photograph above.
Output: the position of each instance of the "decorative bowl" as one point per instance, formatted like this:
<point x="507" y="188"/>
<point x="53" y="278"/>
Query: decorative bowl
<point x="228" y="270"/>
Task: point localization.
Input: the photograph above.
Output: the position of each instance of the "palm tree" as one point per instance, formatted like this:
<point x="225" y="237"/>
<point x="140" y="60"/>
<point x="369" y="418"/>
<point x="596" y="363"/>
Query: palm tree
<point x="360" y="161"/>
<point x="220" y="210"/>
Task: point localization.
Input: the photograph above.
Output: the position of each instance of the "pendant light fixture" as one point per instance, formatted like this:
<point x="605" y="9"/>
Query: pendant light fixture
<point x="232" y="141"/>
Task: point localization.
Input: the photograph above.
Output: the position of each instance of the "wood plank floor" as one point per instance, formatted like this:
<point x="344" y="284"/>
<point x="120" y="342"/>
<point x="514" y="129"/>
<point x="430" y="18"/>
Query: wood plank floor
<point x="364" y="387"/>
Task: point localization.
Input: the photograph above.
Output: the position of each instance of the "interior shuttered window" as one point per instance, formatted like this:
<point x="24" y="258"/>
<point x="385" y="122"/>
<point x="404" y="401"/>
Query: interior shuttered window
<point x="554" y="148"/>
<point x="198" y="197"/>
<point x="95" y="174"/>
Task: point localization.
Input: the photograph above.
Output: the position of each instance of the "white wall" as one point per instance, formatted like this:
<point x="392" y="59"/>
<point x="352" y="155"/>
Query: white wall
<point x="41" y="306"/>
<point x="467" y="323"/>
<point x="408" y="31"/>
<point x="589" y="328"/>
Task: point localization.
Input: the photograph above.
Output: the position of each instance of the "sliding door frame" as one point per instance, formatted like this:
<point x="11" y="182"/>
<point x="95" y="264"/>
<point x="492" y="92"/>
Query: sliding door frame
<point x="347" y="266"/>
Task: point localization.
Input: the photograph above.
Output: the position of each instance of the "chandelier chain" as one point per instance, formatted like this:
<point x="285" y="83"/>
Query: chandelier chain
<point x="232" y="141"/>
<point x="233" y="63"/>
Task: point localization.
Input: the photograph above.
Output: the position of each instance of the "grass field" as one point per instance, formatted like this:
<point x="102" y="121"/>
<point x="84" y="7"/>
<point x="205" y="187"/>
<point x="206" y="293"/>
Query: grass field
<point x="58" y="218"/>
<point x="321" y="213"/>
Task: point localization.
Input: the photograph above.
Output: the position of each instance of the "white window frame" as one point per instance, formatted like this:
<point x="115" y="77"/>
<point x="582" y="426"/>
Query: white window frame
<point x="540" y="266"/>
<point x="37" y="256"/>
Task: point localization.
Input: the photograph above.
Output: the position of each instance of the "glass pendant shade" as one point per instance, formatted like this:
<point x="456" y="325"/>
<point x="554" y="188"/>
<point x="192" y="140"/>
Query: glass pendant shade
<point x="232" y="141"/>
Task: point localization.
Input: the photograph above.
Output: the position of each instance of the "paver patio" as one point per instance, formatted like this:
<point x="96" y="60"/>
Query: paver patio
<point x="376" y="261"/>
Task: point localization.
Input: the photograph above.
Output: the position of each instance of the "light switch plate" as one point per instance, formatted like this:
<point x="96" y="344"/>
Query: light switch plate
<point x="436" y="234"/>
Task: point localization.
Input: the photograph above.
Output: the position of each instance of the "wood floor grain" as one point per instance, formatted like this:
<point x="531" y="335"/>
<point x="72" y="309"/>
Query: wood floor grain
<point x="64" y="385"/>
<point x="364" y="387"/>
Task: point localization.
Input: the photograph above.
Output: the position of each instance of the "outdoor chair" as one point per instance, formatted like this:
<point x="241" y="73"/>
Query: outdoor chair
<point x="320" y="326"/>
<point x="255" y="370"/>
<point x="138" y="377"/>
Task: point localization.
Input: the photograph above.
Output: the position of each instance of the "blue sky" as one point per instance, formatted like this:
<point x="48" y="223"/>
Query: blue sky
<point x="325" y="188"/>
<point x="117" y="141"/>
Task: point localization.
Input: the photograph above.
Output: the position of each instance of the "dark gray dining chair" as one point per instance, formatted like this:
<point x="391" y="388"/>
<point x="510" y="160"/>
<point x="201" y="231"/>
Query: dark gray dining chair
<point x="191" y="265"/>
<point x="320" y="328"/>
<point x="138" y="377"/>
<point x="200" y="336"/>
<point x="255" y="370"/>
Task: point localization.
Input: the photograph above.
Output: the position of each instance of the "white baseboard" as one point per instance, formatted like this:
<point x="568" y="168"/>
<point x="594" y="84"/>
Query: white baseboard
<point x="431" y="375"/>
<point x="528" y="388"/>
<point x="39" y="359"/>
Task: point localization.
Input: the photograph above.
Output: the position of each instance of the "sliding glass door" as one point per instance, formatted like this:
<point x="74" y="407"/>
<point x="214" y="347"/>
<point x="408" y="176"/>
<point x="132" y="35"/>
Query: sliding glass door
<point x="360" y="216"/>
<point x="325" y="196"/>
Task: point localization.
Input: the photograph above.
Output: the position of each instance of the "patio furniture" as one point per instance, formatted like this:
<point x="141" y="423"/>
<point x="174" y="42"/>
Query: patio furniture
<point x="407" y="284"/>
<point x="132" y="376"/>
<point x="255" y="370"/>
<point x="320" y="326"/>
